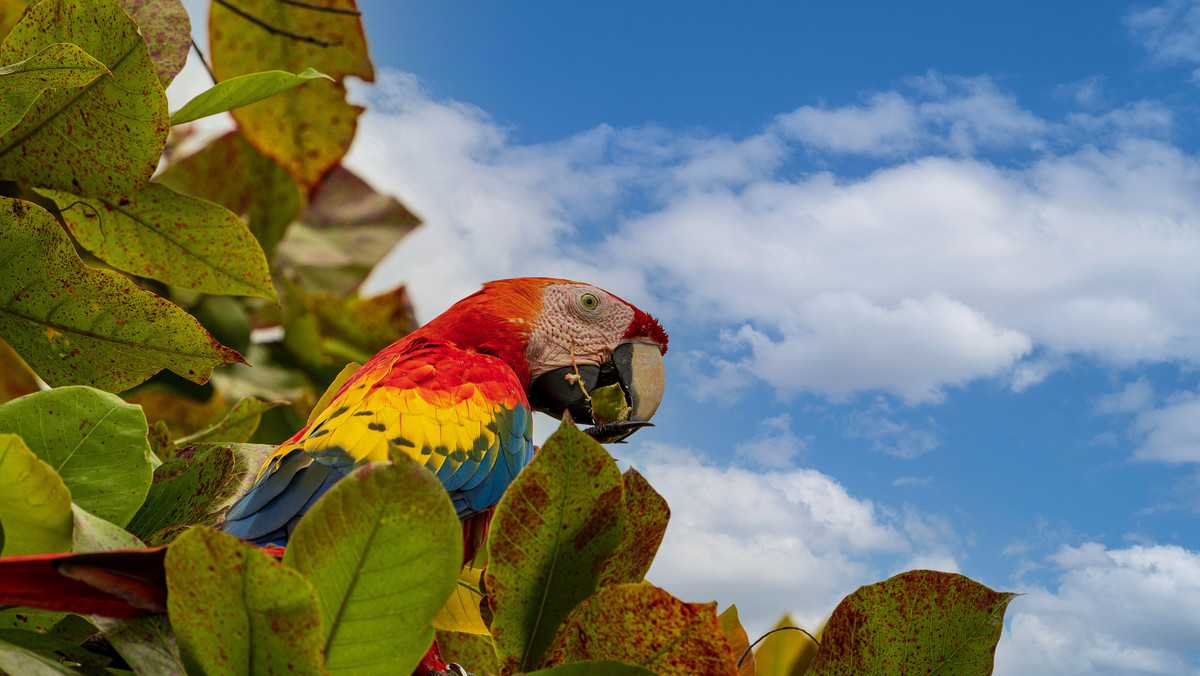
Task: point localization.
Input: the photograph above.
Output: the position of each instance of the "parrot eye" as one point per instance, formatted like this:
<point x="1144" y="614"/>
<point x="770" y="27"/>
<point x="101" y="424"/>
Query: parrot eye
<point x="589" y="302"/>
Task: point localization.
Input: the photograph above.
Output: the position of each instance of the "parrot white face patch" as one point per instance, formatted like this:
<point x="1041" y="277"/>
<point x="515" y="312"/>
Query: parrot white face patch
<point x="579" y="324"/>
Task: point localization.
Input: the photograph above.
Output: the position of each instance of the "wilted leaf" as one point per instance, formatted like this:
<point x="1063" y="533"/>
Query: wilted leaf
<point x="167" y="30"/>
<point x="646" y="516"/>
<point x="35" y="506"/>
<point x="241" y="91"/>
<point x="179" y="240"/>
<point x="185" y="491"/>
<point x="235" y="609"/>
<point x="461" y="613"/>
<point x="230" y="172"/>
<point x="739" y="643"/>
<point x="553" y="530"/>
<point x="237" y="425"/>
<point x="56" y="66"/>
<point x="307" y="129"/>
<point x="16" y="378"/>
<point x="146" y="643"/>
<point x="473" y="651"/>
<point x="18" y="660"/>
<point x="76" y="325"/>
<point x="919" y="622"/>
<point x="346" y="230"/>
<point x="381" y="566"/>
<point x="95" y="441"/>
<point x="785" y="653"/>
<point x="93" y="534"/>
<point x="101" y="140"/>
<point x="644" y="625"/>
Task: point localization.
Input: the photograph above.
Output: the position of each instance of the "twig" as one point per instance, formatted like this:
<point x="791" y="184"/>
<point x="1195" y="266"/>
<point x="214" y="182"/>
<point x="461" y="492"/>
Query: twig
<point x="275" y="29"/>
<point x="760" y="638"/>
<point x="322" y="8"/>
<point x="203" y="61"/>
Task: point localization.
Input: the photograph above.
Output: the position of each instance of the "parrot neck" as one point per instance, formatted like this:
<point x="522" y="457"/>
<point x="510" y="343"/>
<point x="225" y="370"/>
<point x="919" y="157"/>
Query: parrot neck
<point x="481" y="324"/>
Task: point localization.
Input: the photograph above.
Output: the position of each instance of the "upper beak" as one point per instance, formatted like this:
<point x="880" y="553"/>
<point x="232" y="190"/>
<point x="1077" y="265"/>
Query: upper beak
<point x="621" y="394"/>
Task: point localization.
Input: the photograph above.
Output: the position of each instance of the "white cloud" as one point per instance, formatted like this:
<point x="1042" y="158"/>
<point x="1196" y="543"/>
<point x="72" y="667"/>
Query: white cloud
<point x="1132" y="398"/>
<point x="1171" y="433"/>
<point x="926" y="274"/>
<point x="1170" y="32"/>
<point x="777" y="541"/>
<point x="887" y="124"/>
<point x="897" y="439"/>
<point x="774" y="446"/>
<point x="1116" y="611"/>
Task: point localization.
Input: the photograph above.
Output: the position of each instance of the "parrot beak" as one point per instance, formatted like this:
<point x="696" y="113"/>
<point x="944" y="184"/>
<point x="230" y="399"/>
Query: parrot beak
<point x="618" y="397"/>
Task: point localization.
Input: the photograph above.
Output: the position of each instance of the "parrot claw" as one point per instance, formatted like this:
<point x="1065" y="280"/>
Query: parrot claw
<point x="616" y="432"/>
<point x="456" y="669"/>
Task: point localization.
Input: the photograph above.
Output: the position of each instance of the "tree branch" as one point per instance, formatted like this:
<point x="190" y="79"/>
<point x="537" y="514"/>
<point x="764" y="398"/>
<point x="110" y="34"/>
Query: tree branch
<point x="203" y="61"/>
<point x="321" y="8"/>
<point x="275" y="29"/>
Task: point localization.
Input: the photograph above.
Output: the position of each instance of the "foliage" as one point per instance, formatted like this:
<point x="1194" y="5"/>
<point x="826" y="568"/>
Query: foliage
<point x="141" y="282"/>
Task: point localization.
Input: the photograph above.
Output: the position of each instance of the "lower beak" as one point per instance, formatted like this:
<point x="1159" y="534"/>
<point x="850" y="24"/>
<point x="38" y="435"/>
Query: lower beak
<point x="618" y="396"/>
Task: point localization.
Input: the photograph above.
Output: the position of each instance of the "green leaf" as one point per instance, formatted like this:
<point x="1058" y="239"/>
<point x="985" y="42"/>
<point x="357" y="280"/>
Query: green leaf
<point x="553" y="529"/>
<point x="197" y="487"/>
<point x="35" y="505"/>
<point x="147" y="643"/>
<point x="919" y="622"/>
<point x="604" y="668"/>
<point x="104" y="139"/>
<point x="235" y="609"/>
<point x="66" y="626"/>
<point x="57" y="66"/>
<point x="739" y="642"/>
<point x="167" y="30"/>
<point x="241" y="91"/>
<point x="236" y="426"/>
<point x="95" y="441"/>
<point x="76" y="325"/>
<point x="785" y="653"/>
<point x="18" y="660"/>
<point x="93" y="534"/>
<point x="646" y="516"/>
<point x="230" y="172"/>
<point x="382" y="565"/>
<point x="644" y="625"/>
<point x="179" y="240"/>
<point x="308" y="129"/>
<point x="52" y="647"/>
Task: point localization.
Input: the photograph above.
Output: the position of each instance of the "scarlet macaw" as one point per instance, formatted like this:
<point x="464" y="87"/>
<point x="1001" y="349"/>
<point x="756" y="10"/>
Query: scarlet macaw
<point x="457" y="395"/>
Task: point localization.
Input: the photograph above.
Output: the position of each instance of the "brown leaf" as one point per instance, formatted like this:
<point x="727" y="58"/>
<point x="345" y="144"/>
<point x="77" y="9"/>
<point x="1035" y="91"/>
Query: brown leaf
<point x="306" y="130"/>
<point x="739" y="643"/>
<point x="16" y="378"/>
<point x="646" y="516"/>
<point x="643" y="625"/>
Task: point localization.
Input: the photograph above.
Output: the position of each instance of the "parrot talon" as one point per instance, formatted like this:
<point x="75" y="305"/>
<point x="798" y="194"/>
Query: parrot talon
<point x="616" y="432"/>
<point x="457" y="669"/>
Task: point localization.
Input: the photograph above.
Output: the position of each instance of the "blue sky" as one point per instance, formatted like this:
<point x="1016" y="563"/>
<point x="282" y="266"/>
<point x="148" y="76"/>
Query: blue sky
<point x="931" y="275"/>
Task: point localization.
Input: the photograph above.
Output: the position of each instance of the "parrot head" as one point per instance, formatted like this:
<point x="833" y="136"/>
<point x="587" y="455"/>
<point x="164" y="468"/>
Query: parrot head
<point x="575" y="347"/>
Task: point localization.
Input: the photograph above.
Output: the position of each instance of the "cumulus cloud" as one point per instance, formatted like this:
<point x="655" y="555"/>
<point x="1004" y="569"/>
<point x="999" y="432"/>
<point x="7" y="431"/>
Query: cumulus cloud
<point x="777" y="541"/>
<point x="1115" y="611"/>
<point x="925" y="274"/>
<point x="1132" y="398"/>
